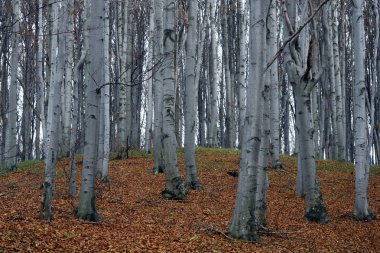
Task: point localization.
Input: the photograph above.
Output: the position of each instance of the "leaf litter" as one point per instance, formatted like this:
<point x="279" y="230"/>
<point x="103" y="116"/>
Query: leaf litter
<point x="135" y="218"/>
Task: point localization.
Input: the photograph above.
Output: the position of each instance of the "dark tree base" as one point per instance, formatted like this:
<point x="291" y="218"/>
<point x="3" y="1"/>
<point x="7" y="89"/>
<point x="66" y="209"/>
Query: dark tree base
<point x="158" y="170"/>
<point x="365" y="217"/>
<point x="233" y="173"/>
<point x="317" y="214"/>
<point x="251" y="237"/>
<point x="278" y="166"/>
<point x="105" y="180"/>
<point x="194" y="185"/>
<point x="172" y="196"/>
<point x="45" y="209"/>
<point x="89" y="217"/>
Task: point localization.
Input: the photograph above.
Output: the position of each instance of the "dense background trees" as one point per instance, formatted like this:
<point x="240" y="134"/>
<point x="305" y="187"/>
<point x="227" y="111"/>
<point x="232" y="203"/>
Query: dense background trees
<point x="88" y="77"/>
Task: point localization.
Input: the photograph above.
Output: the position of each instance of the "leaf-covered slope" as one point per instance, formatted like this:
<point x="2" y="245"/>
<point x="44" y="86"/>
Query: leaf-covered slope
<point x="137" y="219"/>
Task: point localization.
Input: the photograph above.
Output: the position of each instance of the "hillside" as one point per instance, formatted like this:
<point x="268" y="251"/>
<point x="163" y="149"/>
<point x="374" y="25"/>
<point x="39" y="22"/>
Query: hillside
<point x="135" y="218"/>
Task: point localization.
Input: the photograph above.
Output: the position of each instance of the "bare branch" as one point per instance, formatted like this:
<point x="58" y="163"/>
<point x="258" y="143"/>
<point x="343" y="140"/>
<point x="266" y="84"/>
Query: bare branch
<point x="295" y="34"/>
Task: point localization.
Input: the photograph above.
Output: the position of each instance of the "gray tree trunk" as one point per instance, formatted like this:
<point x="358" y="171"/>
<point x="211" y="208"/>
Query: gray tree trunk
<point x="157" y="79"/>
<point x="150" y="83"/>
<point x="243" y="224"/>
<point x="272" y="43"/>
<point x="262" y="178"/>
<point x="229" y="121"/>
<point x="95" y="76"/>
<point x="68" y="86"/>
<point x="212" y="126"/>
<point x="174" y="188"/>
<point x="341" y="156"/>
<point x="191" y="89"/>
<point x="10" y="149"/>
<point x="303" y="81"/>
<point x="122" y="129"/>
<point x="106" y="94"/>
<point x="361" y="210"/>
<point x="53" y="119"/>
<point x="242" y="66"/>
<point x="41" y="87"/>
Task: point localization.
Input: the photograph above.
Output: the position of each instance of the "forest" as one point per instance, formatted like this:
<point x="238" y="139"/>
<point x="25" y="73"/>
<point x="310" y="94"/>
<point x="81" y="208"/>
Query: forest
<point x="189" y="126"/>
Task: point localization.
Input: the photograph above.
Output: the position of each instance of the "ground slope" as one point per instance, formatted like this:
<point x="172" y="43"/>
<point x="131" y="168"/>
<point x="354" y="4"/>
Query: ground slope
<point x="137" y="219"/>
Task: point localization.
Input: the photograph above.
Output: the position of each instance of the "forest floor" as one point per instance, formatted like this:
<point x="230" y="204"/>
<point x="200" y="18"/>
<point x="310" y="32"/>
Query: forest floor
<point x="135" y="218"/>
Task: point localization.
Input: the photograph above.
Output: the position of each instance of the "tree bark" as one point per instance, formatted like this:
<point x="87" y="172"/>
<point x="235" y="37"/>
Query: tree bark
<point x="191" y="89"/>
<point x="158" y="79"/>
<point x="272" y="43"/>
<point x="10" y="149"/>
<point x="95" y="76"/>
<point x="174" y="188"/>
<point x="243" y="224"/>
<point x="302" y="81"/>
<point x="361" y="210"/>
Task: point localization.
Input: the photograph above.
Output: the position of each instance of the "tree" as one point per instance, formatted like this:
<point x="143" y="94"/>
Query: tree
<point x="243" y="224"/>
<point x="158" y="88"/>
<point x="361" y="211"/>
<point x="174" y="188"/>
<point x="190" y="103"/>
<point x="212" y="123"/>
<point x="303" y="80"/>
<point x="10" y="149"/>
<point x="53" y="117"/>
<point x="272" y="48"/>
<point x="95" y="77"/>
<point x="241" y="65"/>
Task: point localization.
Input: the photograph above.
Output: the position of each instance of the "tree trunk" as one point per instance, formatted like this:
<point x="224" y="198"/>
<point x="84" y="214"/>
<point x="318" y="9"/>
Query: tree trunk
<point x="95" y="76"/>
<point x="212" y="136"/>
<point x="273" y="75"/>
<point x="361" y="211"/>
<point x="228" y="141"/>
<point x="303" y="83"/>
<point x="157" y="79"/>
<point x="190" y="104"/>
<point x="243" y="224"/>
<point x="150" y="83"/>
<point x="242" y="65"/>
<point x="10" y="149"/>
<point x="106" y="93"/>
<point x="174" y="188"/>
<point x="53" y="120"/>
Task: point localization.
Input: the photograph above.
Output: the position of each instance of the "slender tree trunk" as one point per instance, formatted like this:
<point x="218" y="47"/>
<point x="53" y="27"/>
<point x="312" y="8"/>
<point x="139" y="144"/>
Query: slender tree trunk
<point x="303" y="82"/>
<point x="243" y="224"/>
<point x="212" y="136"/>
<point x="95" y="76"/>
<point x="150" y="83"/>
<point x="128" y="30"/>
<point x="262" y="177"/>
<point x="361" y="210"/>
<point x="174" y="188"/>
<point x="157" y="79"/>
<point x="40" y="104"/>
<point x="190" y="103"/>
<point x="68" y="87"/>
<point x="122" y="129"/>
<point x="229" y="141"/>
<point x="273" y="75"/>
<point x="106" y="93"/>
<point x="341" y="156"/>
<point x="10" y="149"/>
<point x="242" y="66"/>
<point x="53" y="120"/>
<point x="377" y="106"/>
